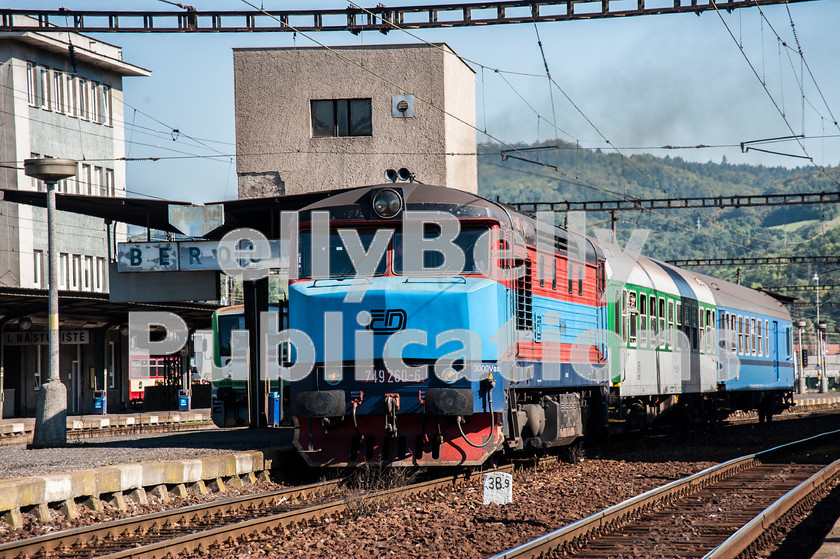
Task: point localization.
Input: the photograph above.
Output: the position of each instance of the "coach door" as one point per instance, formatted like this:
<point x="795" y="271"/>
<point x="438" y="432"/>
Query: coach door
<point x="775" y="349"/>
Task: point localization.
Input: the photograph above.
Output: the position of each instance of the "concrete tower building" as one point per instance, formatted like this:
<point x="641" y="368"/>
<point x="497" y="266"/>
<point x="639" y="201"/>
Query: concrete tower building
<point x="310" y="119"/>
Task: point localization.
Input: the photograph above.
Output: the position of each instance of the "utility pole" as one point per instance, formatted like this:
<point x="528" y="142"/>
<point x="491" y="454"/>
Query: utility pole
<point x="51" y="412"/>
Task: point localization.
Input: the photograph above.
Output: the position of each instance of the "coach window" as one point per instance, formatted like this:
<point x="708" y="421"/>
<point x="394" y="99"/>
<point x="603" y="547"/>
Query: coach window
<point x="622" y="329"/>
<point x="341" y="117"/>
<point x="746" y="335"/>
<point x="653" y="323"/>
<point x="695" y="339"/>
<point x="618" y="313"/>
<point x="643" y="320"/>
<point x="740" y="335"/>
<point x="662" y="321"/>
<point x="542" y="270"/>
<point x="633" y="310"/>
<point x="672" y="340"/>
<point x="766" y="339"/>
<point x="712" y="333"/>
<point x="760" y="339"/>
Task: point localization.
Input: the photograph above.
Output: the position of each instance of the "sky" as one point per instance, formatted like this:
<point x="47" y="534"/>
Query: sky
<point x="639" y="83"/>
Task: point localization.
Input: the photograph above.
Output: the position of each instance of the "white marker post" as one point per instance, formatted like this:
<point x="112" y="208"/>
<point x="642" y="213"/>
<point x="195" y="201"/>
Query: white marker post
<point x="498" y="488"/>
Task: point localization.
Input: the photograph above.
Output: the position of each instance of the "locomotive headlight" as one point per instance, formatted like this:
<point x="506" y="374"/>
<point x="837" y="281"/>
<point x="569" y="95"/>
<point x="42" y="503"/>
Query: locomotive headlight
<point x="333" y="377"/>
<point x="387" y="203"/>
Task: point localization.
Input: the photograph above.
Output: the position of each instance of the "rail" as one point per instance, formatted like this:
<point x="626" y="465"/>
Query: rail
<point x="224" y="529"/>
<point x="634" y="507"/>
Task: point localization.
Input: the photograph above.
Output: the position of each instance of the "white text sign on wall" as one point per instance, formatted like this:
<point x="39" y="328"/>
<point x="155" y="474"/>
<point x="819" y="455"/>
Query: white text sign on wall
<point x="42" y="338"/>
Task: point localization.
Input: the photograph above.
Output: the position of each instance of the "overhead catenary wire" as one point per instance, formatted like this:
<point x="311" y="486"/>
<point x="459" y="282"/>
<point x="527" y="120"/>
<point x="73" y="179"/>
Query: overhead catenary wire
<point x="770" y="95"/>
<point x="535" y="160"/>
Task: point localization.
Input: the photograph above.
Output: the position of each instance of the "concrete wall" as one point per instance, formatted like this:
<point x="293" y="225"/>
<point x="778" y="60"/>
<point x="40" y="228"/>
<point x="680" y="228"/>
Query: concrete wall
<point x="276" y="153"/>
<point x="461" y="169"/>
<point x="10" y="81"/>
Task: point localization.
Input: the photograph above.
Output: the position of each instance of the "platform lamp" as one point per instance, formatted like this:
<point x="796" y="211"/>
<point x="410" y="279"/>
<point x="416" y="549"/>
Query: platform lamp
<point x="51" y="413"/>
<point x="800" y="324"/>
<point x="821" y="327"/>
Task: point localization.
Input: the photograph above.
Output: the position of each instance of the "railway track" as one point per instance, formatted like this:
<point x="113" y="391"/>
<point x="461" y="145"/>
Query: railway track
<point x="201" y="528"/>
<point x="725" y="511"/>
<point x="108" y="539"/>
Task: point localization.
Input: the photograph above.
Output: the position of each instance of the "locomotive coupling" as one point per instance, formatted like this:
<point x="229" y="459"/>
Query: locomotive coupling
<point x="392" y="406"/>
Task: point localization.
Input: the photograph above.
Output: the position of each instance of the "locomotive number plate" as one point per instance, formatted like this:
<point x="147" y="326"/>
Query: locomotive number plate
<point x="393" y="376"/>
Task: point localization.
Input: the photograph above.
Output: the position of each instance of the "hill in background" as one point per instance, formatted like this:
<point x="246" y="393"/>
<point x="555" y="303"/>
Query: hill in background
<point x="584" y="174"/>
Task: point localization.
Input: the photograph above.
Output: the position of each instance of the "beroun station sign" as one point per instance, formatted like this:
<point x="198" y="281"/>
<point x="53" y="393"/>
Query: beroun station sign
<point x="181" y="256"/>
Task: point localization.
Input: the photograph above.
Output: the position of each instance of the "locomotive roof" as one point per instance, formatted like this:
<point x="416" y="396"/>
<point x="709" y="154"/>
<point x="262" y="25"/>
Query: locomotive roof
<point x="355" y="204"/>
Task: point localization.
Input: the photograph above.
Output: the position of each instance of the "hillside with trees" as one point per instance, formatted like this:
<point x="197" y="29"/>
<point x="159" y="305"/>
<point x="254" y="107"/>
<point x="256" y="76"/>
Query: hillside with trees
<point x="583" y="174"/>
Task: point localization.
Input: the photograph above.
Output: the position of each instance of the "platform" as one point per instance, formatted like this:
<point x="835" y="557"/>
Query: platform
<point x="830" y="548"/>
<point x="81" y="423"/>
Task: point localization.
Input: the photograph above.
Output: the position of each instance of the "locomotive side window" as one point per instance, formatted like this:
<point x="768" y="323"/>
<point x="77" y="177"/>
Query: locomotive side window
<point x="341" y="117"/>
<point x="571" y="279"/>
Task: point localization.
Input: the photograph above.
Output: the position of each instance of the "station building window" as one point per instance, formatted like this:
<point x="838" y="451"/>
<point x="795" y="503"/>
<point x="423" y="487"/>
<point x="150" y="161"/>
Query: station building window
<point x="341" y="117"/>
<point x="38" y="268"/>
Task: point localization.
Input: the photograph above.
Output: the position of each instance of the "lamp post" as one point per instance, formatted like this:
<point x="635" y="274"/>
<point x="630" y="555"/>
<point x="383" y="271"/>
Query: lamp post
<point x="816" y="278"/>
<point x="800" y="324"/>
<point x="820" y="361"/>
<point x="51" y="413"/>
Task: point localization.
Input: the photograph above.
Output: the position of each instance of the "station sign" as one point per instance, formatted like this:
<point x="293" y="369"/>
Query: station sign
<point x="43" y="338"/>
<point x="181" y="256"/>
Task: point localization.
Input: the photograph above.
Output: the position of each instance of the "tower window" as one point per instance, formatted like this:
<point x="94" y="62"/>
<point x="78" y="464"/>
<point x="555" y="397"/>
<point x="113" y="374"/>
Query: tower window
<point x="341" y="117"/>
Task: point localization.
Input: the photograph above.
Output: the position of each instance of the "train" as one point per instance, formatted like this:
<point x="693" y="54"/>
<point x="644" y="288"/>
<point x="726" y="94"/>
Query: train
<point x="447" y="329"/>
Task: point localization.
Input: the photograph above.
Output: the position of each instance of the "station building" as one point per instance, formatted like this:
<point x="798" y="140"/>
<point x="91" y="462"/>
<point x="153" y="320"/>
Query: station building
<point x="321" y="118"/>
<point x="61" y="97"/>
